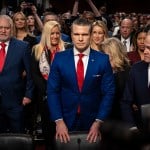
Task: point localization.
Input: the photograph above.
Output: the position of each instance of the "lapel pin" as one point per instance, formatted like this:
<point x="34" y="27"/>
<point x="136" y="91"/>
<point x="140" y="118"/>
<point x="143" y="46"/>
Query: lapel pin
<point x="92" y="60"/>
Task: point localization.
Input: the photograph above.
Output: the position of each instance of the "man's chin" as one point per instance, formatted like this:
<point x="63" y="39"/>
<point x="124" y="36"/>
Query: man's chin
<point x="81" y="48"/>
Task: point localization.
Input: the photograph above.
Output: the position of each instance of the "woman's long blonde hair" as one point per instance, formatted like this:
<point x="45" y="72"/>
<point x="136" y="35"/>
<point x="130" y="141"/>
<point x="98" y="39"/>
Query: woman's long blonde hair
<point x="117" y="53"/>
<point x="103" y="26"/>
<point x="25" y="27"/>
<point x="45" y="38"/>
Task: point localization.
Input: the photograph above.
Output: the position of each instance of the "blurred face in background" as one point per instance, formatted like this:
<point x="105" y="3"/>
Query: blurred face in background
<point x="89" y="16"/>
<point x="126" y="28"/>
<point x="97" y="35"/>
<point x="140" y="41"/>
<point x="19" y="21"/>
<point x="50" y="18"/>
<point x="30" y="20"/>
<point x="147" y="49"/>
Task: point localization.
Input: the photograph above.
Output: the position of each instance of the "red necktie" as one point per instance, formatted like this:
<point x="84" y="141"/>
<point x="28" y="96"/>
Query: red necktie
<point x="80" y="71"/>
<point x="80" y="75"/>
<point x="2" y="55"/>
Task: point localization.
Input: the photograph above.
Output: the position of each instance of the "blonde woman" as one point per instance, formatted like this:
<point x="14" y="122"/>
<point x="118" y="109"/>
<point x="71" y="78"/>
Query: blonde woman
<point x="42" y="57"/>
<point x="120" y="65"/>
<point x="21" y="31"/>
<point x="99" y="34"/>
<point x="50" y="43"/>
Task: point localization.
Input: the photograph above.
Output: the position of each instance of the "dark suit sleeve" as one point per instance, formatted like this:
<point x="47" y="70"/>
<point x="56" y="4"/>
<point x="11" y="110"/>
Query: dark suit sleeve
<point x="107" y="91"/>
<point x="53" y="88"/>
<point x="29" y="81"/>
<point x="127" y="100"/>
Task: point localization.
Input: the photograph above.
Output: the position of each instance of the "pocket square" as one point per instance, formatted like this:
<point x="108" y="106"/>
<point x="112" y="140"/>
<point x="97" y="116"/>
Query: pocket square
<point x="96" y="75"/>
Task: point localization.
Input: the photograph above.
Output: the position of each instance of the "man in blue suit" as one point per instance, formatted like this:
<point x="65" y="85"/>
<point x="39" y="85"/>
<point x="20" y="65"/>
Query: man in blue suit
<point x="137" y="89"/>
<point x="64" y="95"/>
<point x="14" y="95"/>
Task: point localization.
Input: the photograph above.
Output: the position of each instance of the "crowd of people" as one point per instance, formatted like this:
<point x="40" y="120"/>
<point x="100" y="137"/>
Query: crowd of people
<point x="72" y="71"/>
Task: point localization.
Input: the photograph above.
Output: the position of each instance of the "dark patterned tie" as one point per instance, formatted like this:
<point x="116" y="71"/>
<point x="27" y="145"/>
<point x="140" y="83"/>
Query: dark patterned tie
<point x="125" y="44"/>
<point x="2" y="55"/>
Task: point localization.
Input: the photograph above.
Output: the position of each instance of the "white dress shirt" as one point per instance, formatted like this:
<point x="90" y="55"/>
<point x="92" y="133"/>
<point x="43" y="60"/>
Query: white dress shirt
<point x="85" y="62"/>
<point x="84" y="59"/>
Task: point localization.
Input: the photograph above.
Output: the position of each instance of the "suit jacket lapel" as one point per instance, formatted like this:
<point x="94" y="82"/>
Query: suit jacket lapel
<point x="72" y="70"/>
<point x="10" y="53"/>
<point x="89" y="71"/>
<point x="145" y="74"/>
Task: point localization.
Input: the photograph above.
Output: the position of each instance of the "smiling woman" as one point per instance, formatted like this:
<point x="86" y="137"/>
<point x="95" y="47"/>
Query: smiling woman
<point x="41" y="59"/>
<point x="99" y="34"/>
<point x="21" y="30"/>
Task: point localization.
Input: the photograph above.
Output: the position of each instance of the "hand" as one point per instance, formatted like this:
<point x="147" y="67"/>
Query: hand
<point x="62" y="131"/>
<point x="34" y="10"/>
<point x="94" y="132"/>
<point x="23" y="5"/>
<point x="26" y="101"/>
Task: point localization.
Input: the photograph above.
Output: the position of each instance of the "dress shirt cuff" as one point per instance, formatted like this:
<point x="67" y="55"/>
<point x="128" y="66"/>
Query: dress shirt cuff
<point x="58" y="119"/>
<point x="133" y="128"/>
<point x="98" y="120"/>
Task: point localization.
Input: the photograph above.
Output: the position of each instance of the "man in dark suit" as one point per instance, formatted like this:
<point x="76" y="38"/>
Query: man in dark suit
<point x="14" y="95"/>
<point x="137" y="88"/>
<point x="74" y="108"/>
<point x="126" y="34"/>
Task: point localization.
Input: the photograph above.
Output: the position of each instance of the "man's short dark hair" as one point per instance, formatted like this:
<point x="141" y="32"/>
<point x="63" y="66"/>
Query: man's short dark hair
<point x="82" y="22"/>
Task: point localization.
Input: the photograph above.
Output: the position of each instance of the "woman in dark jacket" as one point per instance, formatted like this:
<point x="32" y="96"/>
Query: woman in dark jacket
<point x="120" y="65"/>
<point x="138" y="44"/>
<point x="42" y="57"/>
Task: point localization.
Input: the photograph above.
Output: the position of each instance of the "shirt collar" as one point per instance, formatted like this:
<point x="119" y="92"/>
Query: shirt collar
<point x="86" y="52"/>
<point x="7" y="42"/>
